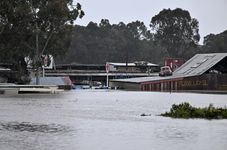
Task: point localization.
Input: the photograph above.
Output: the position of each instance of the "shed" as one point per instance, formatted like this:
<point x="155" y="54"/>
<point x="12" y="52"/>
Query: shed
<point x="203" y="72"/>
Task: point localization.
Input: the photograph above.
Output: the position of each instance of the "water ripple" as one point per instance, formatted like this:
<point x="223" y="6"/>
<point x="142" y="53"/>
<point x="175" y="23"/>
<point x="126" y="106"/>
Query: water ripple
<point x="32" y="127"/>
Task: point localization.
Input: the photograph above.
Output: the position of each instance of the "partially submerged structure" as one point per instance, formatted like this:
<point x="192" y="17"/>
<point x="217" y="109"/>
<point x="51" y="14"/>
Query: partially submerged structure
<point x="61" y="82"/>
<point x="138" y="66"/>
<point x="203" y="72"/>
<point x="48" y="85"/>
<point x="13" y="89"/>
<point x="98" y="72"/>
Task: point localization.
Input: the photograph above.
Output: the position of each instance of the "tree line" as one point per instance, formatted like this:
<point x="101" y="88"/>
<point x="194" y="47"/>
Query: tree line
<point x="172" y="34"/>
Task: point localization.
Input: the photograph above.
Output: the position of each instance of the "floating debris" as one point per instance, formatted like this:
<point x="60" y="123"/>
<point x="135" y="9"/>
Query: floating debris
<point x="145" y="115"/>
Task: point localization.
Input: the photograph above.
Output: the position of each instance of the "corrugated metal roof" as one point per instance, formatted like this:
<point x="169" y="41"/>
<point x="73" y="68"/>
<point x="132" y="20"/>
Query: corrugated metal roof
<point x="199" y="64"/>
<point x="148" y="79"/>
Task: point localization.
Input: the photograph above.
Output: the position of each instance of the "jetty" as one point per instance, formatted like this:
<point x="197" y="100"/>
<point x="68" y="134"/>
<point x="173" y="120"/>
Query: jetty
<point x="11" y="89"/>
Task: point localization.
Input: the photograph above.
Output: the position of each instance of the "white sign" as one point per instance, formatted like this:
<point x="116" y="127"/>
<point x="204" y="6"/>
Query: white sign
<point x="48" y="61"/>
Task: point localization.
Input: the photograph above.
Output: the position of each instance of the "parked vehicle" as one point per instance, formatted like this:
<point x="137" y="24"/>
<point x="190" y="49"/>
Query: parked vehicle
<point x="165" y="71"/>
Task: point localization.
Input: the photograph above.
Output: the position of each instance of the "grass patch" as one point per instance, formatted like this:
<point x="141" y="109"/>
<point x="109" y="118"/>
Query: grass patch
<point x="185" y="110"/>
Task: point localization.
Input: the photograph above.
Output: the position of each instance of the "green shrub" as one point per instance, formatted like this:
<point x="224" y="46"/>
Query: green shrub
<point x="185" y="110"/>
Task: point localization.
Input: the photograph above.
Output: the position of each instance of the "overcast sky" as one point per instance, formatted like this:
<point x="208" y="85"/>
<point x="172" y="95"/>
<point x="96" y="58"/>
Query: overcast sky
<point x="211" y="14"/>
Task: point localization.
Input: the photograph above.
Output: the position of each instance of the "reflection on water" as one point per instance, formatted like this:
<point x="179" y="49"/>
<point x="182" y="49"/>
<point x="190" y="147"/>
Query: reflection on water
<point x="107" y="120"/>
<point x="31" y="127"/>
<point x="176" y="133"/>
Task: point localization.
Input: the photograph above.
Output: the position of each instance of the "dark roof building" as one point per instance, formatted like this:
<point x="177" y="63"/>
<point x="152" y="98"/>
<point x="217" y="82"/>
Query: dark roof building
<point x="4" y="73"/>
<point x="203" y="72"/>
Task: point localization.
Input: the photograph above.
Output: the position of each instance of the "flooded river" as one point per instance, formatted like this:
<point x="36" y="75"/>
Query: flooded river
<point x="107" y="120"/>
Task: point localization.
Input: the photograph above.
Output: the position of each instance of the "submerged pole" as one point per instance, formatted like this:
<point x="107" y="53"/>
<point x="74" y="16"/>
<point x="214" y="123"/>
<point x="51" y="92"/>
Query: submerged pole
<point x="107" y="74"/>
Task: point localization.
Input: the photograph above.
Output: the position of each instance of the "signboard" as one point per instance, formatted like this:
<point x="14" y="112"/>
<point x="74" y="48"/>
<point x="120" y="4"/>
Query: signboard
<point x="48" y="61"/>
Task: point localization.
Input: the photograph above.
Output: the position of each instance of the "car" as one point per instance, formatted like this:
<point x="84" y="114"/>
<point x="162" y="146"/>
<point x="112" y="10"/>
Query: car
<point x="165" y="71"/>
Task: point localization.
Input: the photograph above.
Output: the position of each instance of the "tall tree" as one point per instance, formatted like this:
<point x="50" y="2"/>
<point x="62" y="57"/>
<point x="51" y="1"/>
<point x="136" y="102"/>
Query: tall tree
<point x="138" y="30"/>
<point x="35" y="27"/>
<point x="175" y="30"/>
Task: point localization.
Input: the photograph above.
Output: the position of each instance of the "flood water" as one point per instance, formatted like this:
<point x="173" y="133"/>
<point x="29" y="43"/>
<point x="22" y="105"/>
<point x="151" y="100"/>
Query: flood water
<point x="107" y="120"/>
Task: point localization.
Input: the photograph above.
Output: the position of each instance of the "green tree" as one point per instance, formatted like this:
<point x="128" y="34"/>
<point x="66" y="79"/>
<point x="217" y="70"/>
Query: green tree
<point x="138" y="30"/>
<point x="175" y="30"/>
<point x="215" y="43"/>
<point x="35" y="27"/>
<point x="139" y="38"/>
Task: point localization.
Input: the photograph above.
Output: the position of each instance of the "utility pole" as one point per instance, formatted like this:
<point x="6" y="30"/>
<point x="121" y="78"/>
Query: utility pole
<point x="37" y="54"/>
